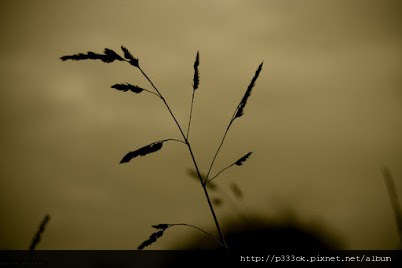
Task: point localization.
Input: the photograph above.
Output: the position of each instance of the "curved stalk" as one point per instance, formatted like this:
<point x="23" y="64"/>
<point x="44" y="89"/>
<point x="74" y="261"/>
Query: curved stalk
<point x="199" y="229"/>
<point x="176" y="140"/>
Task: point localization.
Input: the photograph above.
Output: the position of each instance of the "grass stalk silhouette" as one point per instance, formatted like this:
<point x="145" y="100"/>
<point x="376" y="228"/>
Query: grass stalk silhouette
<point x="239" y="111"/>
<point x="238" y="163"/>
<point x="196" y="82"/>
<point x="164" y="226"/>
<point x="393" y="197"/>
<point x="38" y="235"/>
<point x="110" y="56"/>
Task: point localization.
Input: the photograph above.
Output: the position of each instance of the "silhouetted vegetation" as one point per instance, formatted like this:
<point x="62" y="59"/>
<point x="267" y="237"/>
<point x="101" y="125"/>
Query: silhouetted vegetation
<point x="271" y="234"/>
<point x="37" y="238"/>
<point x="110" y="56"/>
<point x="393" y="197"/>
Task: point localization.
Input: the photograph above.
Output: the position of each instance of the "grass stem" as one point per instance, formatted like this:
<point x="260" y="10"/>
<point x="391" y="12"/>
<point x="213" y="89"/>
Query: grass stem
<point x="393" y="196"/>
<point x="219" y="148"/>
<point x="209" y="180"/>
<point x="193" y="159"/>
<point x="191" y="113"/>
<point x="199" y="229"/>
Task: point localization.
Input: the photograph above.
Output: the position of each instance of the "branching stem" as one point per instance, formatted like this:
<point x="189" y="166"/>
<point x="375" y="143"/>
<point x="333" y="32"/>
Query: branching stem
<point x="194" y="161"/>
<point x="152" y="92"/>
<point x="219" y="148"/>
<point x="211" y="179"/>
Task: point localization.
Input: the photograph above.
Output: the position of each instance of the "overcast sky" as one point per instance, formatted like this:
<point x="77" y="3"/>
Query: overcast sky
<point x="323" y="118"/>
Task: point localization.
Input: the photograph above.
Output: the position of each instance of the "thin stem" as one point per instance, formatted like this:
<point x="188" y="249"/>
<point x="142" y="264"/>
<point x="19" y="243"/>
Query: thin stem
<point x="199" y="229"/>
<point x="207" y="196"/>
<point x="219" y="148"/>
<point x="219" y="173"/>
<point x="164" y="101"/>
<point x="393" y="196"/>
<point x="176" y="140"/>
<point x="156" y="94"/>
<point x="244" y="99"/>
<point x="194" y="161"/>
<point x="151" y="92"/>
<point x="191" y="113"/>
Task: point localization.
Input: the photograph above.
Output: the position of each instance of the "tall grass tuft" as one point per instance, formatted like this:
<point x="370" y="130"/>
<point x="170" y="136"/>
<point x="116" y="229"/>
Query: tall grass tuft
<point x="109" y="56"/>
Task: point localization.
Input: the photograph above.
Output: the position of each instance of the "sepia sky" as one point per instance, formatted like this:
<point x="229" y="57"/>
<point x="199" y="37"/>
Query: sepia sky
<point x="323" y="118"/>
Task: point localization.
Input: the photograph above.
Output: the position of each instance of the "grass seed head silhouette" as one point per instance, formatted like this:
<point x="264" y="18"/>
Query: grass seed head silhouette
<point x="240" y="108"/>
<point x="110" y="56"/>
<point x="151" y="148"/>
<point x="196" y="79"/>
<point x="243" y="159"/>
<point x="126" y="87"/>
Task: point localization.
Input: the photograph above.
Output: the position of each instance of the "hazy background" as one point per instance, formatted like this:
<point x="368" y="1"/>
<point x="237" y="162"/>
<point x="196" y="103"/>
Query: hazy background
<point x="324" y="116"/>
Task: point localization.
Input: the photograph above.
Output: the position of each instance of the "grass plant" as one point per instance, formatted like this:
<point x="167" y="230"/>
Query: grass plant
<point x="109" y="56"/>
